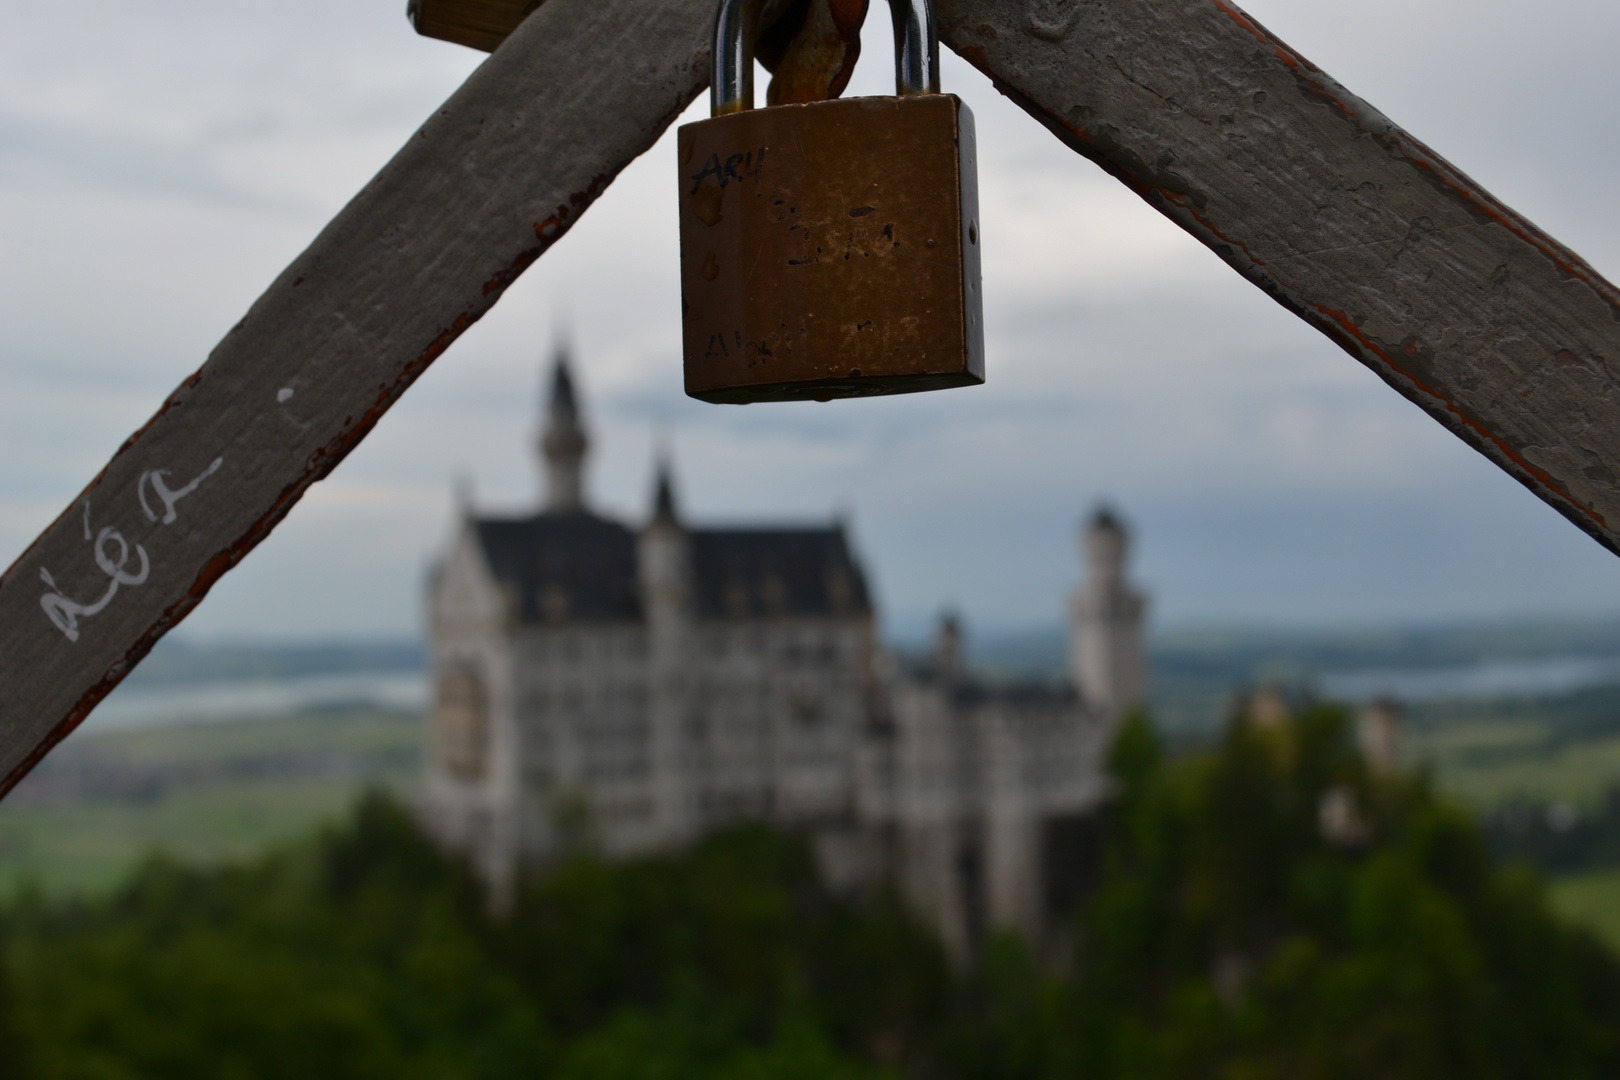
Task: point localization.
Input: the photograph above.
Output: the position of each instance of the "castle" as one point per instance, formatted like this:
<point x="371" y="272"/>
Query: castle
<point x="631" y="688"/>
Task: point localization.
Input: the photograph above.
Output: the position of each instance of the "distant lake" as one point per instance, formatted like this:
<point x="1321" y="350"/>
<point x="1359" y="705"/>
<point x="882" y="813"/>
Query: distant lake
<point x="217" y="702"/>
<point x="1545" y="676"/>
<point x="137" y="706"/>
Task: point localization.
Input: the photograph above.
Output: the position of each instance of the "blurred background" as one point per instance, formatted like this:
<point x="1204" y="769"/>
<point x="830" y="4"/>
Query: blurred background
<point x="1297" y="524"/>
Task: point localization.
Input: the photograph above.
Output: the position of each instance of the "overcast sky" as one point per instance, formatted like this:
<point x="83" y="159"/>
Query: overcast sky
<point x="162" y="160"/>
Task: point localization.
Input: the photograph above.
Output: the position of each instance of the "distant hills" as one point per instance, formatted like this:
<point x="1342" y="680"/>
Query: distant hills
<point x="212" y="750"/>
<point x="1195" y="671"/>
<point x="1293" y="653"/>
<point x="176" y="661"/>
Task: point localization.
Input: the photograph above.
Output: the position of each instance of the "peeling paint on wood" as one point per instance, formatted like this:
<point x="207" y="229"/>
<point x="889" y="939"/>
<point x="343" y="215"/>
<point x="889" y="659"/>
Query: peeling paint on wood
<point x="493" y="179"/>
<point x="1468" y="310"/>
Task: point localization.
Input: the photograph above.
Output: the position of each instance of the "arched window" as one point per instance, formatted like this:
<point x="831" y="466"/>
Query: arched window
<point x="463" y="722"/>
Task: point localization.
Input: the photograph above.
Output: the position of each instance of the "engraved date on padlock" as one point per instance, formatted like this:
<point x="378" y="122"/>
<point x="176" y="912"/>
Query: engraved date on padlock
<point x="830" y="249"/>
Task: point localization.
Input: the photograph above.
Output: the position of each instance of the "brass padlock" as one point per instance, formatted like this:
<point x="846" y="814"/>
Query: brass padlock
<point x="830" y="249"/>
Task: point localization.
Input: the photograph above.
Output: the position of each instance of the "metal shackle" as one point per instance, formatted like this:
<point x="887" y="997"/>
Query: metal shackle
<point x="731" y="83"/>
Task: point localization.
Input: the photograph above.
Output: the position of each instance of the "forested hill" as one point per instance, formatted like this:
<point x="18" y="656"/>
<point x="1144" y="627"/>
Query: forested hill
<point x="1265" y="908"/>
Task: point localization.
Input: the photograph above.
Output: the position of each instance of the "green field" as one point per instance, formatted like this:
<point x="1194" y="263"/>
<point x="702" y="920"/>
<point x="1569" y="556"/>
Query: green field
<point x="200" y="793"/>
<point x="1591" y="900"/>
<point x="385" y="739"/>
<point x="1549" y="749"/>
<point x="1489" y="764"/>
<point x="207" y="793"/>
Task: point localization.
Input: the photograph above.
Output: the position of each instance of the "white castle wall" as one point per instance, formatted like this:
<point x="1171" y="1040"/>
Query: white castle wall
<point x="642" y="734"/>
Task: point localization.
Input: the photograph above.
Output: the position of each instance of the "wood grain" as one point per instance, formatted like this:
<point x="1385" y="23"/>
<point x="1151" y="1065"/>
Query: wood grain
<point x="1494" y="328"/>
<point x="477" y="24"/>
<point x="1497" y="330"/>
<point x="488" y="183"/>
<point x="1462" y="305"/>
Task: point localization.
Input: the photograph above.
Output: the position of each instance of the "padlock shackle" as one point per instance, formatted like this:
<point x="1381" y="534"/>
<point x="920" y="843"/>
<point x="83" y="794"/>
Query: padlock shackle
<point x="731" y="77"/>
<point x="916" y="47"/>
<point x="736" y="25"/>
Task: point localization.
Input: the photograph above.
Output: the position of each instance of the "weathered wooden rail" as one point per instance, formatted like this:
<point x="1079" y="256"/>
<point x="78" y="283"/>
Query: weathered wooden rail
<point x="1494" y="328"/>
<point x="492" y="179"/>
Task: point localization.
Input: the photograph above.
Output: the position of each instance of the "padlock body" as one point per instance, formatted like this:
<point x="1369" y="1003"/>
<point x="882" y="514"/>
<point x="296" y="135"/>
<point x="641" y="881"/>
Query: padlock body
<point x="831" y="250"/>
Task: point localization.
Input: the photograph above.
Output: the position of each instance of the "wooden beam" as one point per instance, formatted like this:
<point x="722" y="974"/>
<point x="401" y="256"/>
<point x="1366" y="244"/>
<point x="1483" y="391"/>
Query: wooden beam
<point x="477" y="24"/>
<point x="1464" y="307"/>
<point x="488" y="183"/>
<point x="1488" y="324"/>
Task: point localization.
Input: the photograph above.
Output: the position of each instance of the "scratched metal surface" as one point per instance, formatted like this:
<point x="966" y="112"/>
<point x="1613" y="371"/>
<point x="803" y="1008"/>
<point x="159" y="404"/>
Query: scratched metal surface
<point x="1495" y="329"/>
<point x="490" y="181"/>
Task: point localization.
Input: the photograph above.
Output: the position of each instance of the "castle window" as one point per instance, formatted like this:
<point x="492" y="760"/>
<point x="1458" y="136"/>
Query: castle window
<point x="554" y="604"/>
<point x="840" y="590"/>
<point x="805" y="708"/>
<point x="462" y="717"/>
<point x="736" y="599"/>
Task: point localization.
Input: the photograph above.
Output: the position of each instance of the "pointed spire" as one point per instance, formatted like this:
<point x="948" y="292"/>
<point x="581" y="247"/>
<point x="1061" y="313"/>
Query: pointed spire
<point x="563" y="403"/>
<point x="563" y="442"/>
<point x="664" y="492"/>
<point x="948" y="649"/>
<point x="464" y="494"/>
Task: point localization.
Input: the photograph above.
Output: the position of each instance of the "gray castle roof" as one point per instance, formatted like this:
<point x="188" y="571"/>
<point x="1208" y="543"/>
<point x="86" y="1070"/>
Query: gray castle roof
<point x="565" y="567"/>
<point x="774" y="571"/>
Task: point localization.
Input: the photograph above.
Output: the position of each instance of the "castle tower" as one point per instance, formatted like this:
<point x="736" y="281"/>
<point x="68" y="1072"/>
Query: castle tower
<point x="662" y="554"/>
<point x="1378" y="734"/>
<point x="563" y="443"/>
<point x="1106" y="656"/>
<point x="664" y="569"/>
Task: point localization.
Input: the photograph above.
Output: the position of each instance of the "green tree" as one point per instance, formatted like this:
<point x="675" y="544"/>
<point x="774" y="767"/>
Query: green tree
<point x="350" y="958"/>
<point x="743" y="919"/>
<point x="1264" y="910"/>
<point x="1241" y="930"/>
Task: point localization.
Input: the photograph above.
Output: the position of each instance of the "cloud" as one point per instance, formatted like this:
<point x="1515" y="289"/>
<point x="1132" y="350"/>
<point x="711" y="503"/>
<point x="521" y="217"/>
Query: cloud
<point x="160" y="163"/>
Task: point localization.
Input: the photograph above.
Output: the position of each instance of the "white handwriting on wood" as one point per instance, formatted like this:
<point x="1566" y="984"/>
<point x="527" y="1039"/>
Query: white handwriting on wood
<point x="154" y="480"/>
<point x="65" y="613"/>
